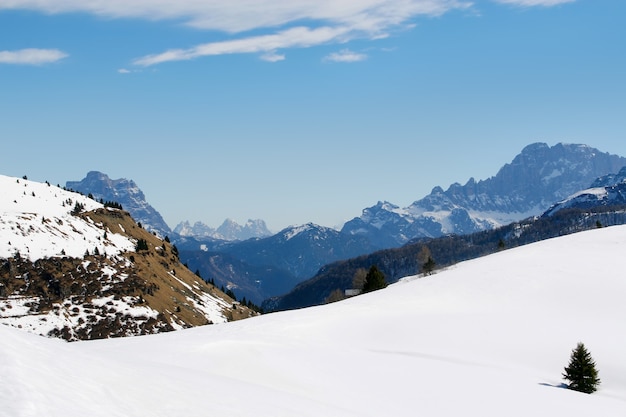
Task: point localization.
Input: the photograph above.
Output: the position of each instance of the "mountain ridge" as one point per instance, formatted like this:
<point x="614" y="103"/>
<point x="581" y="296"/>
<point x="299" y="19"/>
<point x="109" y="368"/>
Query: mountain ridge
<point x="229" y="230"/>
<point x="536" y="178"/>
<point x="125" y="192"/>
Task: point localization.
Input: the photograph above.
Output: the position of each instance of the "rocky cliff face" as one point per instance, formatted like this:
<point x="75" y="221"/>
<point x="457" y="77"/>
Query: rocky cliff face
<point x="125" y="192"/>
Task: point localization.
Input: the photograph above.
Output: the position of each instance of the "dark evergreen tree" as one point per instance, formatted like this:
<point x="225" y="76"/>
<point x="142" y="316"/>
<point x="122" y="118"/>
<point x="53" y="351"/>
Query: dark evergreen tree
<point x="374" y="280"/>
<point x="429" y="266"/>
<point x="78" y="207"/>
<point x="231" y="294"/>
<point x="142" y="244"/>
<point x="114" y="204"/>
<point x="581" y="371"/>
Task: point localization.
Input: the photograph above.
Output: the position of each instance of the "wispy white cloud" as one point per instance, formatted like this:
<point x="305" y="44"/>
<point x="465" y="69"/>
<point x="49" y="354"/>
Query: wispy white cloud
<point x="298" y="37"/>
<point x="273" y="56"/>
<point x="241" y="15"/>
<point x="31" y="56"/>
<point x="284" y="23"/>
<point x="327" y="21"/>
<point x="123" y="71"/>
<point x="345" y="55"/>
<point x="531" y="3"/>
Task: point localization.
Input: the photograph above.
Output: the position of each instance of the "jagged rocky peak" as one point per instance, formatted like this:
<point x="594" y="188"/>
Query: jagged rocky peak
<point x="125" y="192"/>
<point x="99" y="183"/>
<point x="536" y="178"/>
<point x="382" y="208"/>
<point x="197" y="230"/>
<point x="228" y="230"/>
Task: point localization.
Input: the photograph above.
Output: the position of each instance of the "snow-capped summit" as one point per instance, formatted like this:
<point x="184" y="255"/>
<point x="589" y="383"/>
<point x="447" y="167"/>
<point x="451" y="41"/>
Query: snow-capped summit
<point x="229" y="230"/>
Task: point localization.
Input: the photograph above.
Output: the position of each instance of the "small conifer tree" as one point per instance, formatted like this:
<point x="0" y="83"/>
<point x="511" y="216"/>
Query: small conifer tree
<point x="581" y="371"/>
<point x="142" y="244"/>
<point x="374" y="280"/>
<point x="429" y="266"/>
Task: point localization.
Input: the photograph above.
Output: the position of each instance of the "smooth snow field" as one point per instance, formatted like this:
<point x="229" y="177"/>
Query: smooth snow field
<point x="488" y="337"/>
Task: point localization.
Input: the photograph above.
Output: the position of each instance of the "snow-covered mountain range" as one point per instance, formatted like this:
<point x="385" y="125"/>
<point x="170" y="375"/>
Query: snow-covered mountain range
<point x="300" y="249"/>
<point x="229" y="230"/>
<point x="129" y="195"/>
<point x="488" y="337"/>
<point x="536" y="178"/>
<point x="72" y="268"/>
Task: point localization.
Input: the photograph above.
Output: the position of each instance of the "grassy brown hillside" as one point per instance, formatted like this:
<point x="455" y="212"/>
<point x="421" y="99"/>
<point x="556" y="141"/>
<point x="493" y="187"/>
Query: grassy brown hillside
<point x="98" y="296"/>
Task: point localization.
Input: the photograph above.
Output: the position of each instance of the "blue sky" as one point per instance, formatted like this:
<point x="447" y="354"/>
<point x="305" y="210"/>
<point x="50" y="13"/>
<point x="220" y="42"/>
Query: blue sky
<point x="303" y="110"/>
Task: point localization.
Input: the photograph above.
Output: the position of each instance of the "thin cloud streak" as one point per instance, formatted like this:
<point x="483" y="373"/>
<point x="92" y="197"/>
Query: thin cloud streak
<point x="31" y="56"/>
<point x="299" y="37"/>
<point x="532" y="3"/>
<point x="273" y="57"/>
<point x="345" y="55"/>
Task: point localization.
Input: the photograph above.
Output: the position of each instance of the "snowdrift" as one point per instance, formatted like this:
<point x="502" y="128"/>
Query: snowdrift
<point x="489" y="337"/>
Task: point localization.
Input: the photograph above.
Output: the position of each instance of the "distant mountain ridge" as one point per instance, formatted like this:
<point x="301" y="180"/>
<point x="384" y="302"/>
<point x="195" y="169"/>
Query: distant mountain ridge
<point x="337" y="277"/>
<point x="262" y="265"/>
<point x="229" y="230"/>
<point x="260" y="268"/>
<point x="125" y="192"/>
<point x="536" y="178"/>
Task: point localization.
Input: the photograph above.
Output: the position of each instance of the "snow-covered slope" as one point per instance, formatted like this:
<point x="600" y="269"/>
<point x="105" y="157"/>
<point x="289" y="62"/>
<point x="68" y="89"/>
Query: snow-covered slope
<point x="69" y="268"/>
<point x="489" y="337"/>
<point x="36" y="222"/>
